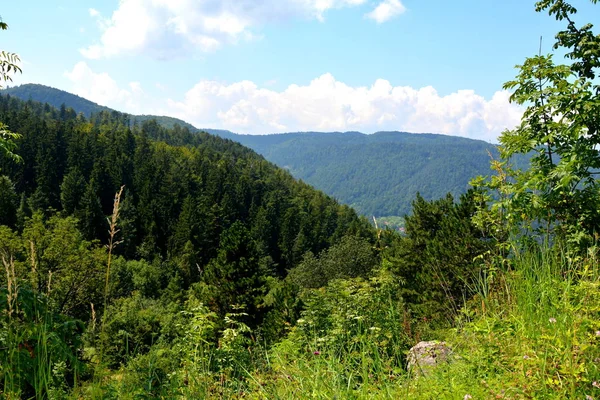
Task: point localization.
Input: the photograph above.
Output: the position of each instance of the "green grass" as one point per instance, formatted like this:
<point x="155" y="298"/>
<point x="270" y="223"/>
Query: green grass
<point x="534" y="333"/>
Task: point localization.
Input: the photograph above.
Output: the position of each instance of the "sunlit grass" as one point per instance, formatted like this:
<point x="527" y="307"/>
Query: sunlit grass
<point x="534" y="334"/>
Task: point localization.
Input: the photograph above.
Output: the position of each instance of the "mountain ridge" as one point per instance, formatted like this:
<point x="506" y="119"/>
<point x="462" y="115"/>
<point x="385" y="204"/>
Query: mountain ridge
<point x="378" y="174"/>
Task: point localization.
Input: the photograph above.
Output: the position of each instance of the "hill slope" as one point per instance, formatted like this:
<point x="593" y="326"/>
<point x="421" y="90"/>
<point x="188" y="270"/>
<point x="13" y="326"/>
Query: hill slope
<point x="377" y="174"/>
<point x="197" y="196"/>
<point x="56" y="98"/>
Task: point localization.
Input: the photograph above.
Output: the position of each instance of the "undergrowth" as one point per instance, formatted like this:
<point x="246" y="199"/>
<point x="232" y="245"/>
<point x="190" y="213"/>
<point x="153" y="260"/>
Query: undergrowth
<point x="535" y="334"/>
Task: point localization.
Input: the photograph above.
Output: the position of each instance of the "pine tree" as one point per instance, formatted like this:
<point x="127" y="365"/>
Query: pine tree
<point x="72" y="190"/>
<point x="8" y="202"/>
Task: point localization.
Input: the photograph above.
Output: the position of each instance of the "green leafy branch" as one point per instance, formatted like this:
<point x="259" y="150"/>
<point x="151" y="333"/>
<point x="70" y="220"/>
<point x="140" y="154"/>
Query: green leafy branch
<point x="7" y="144"/>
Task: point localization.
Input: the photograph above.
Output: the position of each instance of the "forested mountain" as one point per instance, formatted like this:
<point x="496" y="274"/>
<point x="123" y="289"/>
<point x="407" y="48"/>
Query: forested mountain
<point x="142" y="259"/>
<point x="208" y="253"/>
<point x="192" y="203"/>
<point x="56" y="98"/>
<point x="377" y="174"/>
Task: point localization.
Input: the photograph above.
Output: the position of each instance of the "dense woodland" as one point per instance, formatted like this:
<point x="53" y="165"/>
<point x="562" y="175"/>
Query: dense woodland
<point x="146" y="261"/>
<point x="200" y="219"/>
<point x="186" y="199"/>
<point x="381" y="173"/>
<point x="378" y="174"/>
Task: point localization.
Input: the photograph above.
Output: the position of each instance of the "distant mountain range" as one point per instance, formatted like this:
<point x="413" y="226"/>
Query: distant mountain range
<point x="377" y="174"/>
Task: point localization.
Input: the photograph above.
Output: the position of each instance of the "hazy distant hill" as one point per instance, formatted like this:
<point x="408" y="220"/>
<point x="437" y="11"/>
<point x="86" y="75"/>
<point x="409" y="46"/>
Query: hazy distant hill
<point x="377" y="174"/>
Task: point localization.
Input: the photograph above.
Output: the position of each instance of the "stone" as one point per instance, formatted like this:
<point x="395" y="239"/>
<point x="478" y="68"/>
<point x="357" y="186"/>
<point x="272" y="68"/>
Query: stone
<point x="426" y="355"/>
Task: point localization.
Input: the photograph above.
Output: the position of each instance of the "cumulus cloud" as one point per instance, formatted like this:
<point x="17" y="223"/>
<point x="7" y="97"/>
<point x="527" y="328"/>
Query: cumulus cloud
<point x="386" y="10"/>
<point x="326" y="104"/>
<point x="104" y="90"/>
<point x="165" y="28"/>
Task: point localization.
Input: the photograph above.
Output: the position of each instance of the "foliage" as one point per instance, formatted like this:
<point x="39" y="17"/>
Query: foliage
<point x="8" y="61"/>
<point x="349" y="341"/>
<point x="38" y="348"/>
<point x="225" y="278"/>
<point x="376" y="174"/>
<point x="7" y="144"/>
<point x="350" y="258"/>
<point x="560" y="126"/>
<point x="187" y="198"/>
<point x="62" y="263"/>
<point x="8" y="66"/>
<point x="436" y="259"/>
<point x="199" y="218"/>
<point x="536" y="336"/>
<point x="8" y="202"/>
<point x="72" y="104"/>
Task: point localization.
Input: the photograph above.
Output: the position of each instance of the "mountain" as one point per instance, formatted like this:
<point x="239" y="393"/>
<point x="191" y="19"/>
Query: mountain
<point x="56" y="98"/>
<point x="202" y="208"/>
<point x="377" y="174"/>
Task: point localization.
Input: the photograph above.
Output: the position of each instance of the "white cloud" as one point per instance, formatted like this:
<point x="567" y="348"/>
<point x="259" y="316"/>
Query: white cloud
<point x="326" y="104"/>
<point x="165" y="28"/>
<point x="386" y="10"/>
<point x="104" y="90"/>
<point x="161" y="87"/>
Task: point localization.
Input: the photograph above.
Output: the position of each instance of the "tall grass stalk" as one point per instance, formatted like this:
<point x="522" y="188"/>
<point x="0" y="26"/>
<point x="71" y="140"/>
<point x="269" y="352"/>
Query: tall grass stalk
<point x="112" y="243"/>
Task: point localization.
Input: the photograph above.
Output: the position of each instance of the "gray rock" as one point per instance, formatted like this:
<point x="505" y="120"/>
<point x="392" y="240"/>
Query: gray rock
<point x="425" y="355"/>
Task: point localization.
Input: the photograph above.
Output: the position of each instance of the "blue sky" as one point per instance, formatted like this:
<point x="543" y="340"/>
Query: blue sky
<point x="277" y="65"/>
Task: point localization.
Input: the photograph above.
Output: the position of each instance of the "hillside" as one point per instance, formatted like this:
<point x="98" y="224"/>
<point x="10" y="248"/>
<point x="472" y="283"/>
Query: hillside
<point x="56" y="98"/>
<point x="142" y="258"/>
<point x="186" y="194"/>
<point x="376" y="174"/>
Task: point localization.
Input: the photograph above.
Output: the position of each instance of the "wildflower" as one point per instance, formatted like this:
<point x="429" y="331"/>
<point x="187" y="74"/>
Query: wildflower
<point x="316" y="352"/>
<point x="597" y="333"/>
<point x="467" y="397"/>
<point x="552" y="320"/>
<point x="525" y="357"/>
<point x="588" y="397"/>
<point x="596" y="385"/>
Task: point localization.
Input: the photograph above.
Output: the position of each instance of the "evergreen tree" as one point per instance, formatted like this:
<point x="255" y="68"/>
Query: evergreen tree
<point x="8" y="202"/>
<point x="72" y="190"/>
<point x="235" y="273"/>
<point x="436" y="259"/>
<point x="91" y="219"/>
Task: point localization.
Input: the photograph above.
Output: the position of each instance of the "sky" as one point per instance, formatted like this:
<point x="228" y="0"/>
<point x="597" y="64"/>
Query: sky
<point x="258" y="67"/>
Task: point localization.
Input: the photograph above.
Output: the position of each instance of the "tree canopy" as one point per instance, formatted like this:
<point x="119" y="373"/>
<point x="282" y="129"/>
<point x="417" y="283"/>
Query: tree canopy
<point x="8" y="66"/>
<point x="561" y="126"/>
